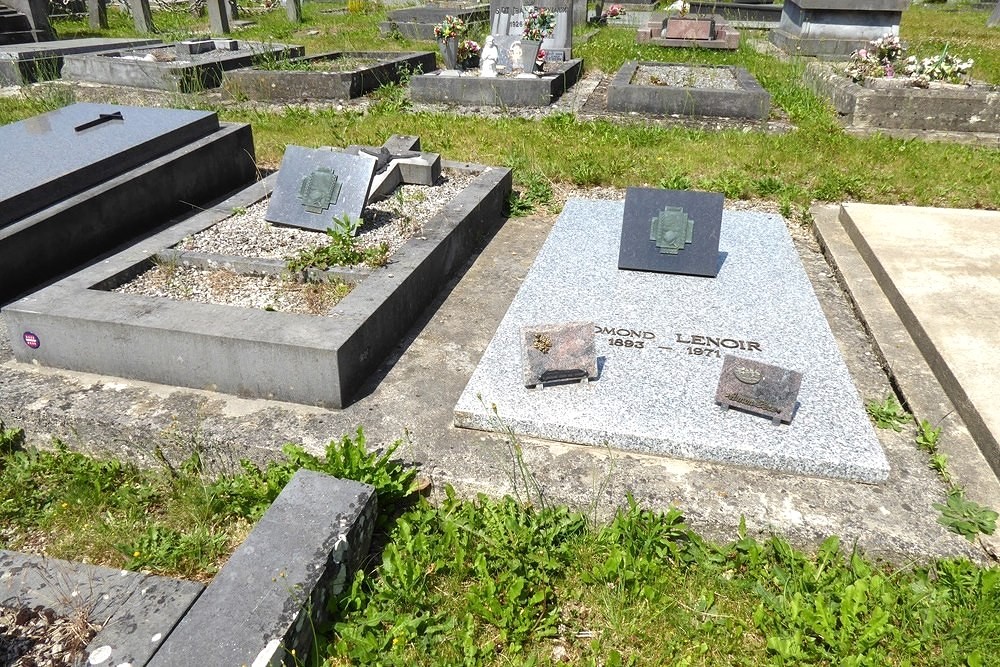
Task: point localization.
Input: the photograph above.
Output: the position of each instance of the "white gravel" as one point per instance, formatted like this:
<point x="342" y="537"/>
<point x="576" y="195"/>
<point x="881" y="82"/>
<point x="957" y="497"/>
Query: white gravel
<point x="393" y="220"/>
<point x="686" y="76"/>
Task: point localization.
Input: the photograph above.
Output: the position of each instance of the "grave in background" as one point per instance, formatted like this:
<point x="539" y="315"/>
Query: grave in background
<point x="80" y="323"/>
<point x="735" y="93"/>
<point x="503" y="91"/>
<point x="661" y="342"/>
<point x="419" y="22"/>
<point x="373" y="69"/>
<point x="834" y="29"/>
<point x="706" y="32"/>
<point x="507" y="24"/>
<point x="91" y="176"/>
<point x="186" y="67"/>
<point x="36" y="61"/>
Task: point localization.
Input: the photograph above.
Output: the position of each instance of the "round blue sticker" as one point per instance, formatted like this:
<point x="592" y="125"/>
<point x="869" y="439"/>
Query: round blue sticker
<point x="31" y="340"/>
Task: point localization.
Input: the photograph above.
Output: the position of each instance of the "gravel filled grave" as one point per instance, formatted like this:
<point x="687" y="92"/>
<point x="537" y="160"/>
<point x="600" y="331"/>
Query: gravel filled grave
<point x="391" y="221"/>
<point x="685" y="76"/>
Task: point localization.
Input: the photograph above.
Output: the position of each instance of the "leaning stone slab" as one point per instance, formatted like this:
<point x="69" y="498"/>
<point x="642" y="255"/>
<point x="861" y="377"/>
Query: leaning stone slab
<point x="382" y="68"/>
<point x="262" y="608"/>
<point x="662" y="340"/>
<point x="136" y="611"/>
<point x="892" y="105"/>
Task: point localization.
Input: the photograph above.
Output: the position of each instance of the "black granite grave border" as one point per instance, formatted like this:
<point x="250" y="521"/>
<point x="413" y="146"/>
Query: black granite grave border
<point x="287" y="85"/>
<point x="750" y="101"/>
<point x="305" y="359"/>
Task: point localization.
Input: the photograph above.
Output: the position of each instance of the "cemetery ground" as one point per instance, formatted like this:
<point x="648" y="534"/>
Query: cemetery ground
<point x="526" y="580"/>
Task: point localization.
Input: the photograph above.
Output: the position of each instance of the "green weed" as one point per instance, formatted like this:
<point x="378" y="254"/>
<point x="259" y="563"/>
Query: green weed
<point x="888" y="413"/>
<point x="536" y="192"/>
<point x="342" y="250"/>
<point x="966" y="517"/>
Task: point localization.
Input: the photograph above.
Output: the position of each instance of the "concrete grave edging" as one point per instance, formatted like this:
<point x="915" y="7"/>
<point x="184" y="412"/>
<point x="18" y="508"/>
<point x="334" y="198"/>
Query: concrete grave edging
<point x="499" y="91"/>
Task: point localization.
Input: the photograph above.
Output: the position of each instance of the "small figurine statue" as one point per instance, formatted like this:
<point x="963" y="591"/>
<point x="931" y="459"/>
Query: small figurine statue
<point x="488" y="58"/>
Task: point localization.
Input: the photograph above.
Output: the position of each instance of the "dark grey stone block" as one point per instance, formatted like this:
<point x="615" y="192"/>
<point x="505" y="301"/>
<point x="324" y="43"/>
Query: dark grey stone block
<point x="37" y="61"/>
<point x="56" y="239"/>
<point x="503" y="91"/>
<point x="306" y="359"/>
<point x="279" y="85"/>
<point x="419" y="22"/>
<point x="749" y="101"/>
<point x="339" y="180"/>
<point x="55" y="161"/>
<point x="274" y="590"/>
<point x="697" y="257"/>
<point x="833" y="29"/>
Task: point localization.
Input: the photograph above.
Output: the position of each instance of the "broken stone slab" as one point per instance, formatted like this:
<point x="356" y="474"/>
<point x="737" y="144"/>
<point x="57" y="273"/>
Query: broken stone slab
<point x="399" y="160"/>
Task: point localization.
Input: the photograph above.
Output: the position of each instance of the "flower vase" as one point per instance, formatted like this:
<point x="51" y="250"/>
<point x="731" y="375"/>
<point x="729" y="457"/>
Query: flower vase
<point x="529" y="54"/>
<point x="449" y="51"/>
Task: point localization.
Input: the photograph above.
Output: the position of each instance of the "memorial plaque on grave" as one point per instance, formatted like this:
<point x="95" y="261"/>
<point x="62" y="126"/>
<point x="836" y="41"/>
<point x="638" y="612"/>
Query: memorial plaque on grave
<point x="758" y="388"/>
<point x="671" y="231"/>
<point x="66" y="151"/>
<point x="557" y="353"/>
<point x="507" y="25"/>
<point x="315" y="187"/>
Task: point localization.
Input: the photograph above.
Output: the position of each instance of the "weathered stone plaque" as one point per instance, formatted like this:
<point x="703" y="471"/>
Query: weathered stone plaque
<point x="671" y="231"/>
<point x="319" y="185"/>
<point x="758" y="388"/>
<point x="558" y="353"/>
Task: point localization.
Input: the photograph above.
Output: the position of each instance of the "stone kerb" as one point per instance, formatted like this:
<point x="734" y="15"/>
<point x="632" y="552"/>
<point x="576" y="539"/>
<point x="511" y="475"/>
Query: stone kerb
<point x="273" y="592"/>
<point x="750" y="100"/>
<point x="306" y="359"/>
<point x="942" y="108"/>
<point x="502" y="91"/>
<point x="277" y="85"/>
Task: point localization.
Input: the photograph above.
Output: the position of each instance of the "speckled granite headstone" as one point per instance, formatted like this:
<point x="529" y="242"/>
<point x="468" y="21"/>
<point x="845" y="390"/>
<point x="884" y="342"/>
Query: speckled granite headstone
<point x="671" y="231"/>
<point x="553" y="353"/>
<point x="758" y="388"/>
<point x="663" y="338"/>
<point x="319" y="185"/>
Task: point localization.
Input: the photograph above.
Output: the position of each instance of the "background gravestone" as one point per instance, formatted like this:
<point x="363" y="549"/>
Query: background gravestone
<point x="218" y="17"/>
<point x="303" y="168"/>
<point x="142" y="16"/>
<point x="994" y="19"/>
<point x="697" y="257"/>
<point x="833" y="29"/>
<point x="97" y="14"/>
<point x="507" y="21"/>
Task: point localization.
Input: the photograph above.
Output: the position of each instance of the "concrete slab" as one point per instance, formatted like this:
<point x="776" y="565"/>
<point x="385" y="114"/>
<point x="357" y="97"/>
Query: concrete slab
<point x="34" y="61"/>
<point x="663" y="339"/>
<point x="939" y="269"/>
<point x="413" y="394"/>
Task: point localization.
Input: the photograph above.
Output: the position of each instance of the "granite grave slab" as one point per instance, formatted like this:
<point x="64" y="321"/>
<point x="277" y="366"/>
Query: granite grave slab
<point x="663" y="339"/>
<point x="501" y="91"/>
<point x="671" y="231"/>
<point x="833" y="29"/>
<point x="419" y="22"/>
<point x="318" y="186"/>
<point x="707" y="31"/>
<point x="58" y="155"/>
<point x="26" y="63"/>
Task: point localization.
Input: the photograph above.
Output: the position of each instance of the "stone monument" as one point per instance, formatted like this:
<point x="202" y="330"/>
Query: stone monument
<point x="833" y="29"/>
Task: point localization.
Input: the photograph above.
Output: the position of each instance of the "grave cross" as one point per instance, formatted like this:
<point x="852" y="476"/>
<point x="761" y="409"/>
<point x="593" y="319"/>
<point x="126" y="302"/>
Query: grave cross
<point x="399" y="160"/>
<point x="100" y="120"/>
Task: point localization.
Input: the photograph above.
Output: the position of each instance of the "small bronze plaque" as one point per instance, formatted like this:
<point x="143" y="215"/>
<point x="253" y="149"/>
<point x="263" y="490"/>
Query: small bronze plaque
<point x="553" y="353"/>
<point x="319" y="190"/>
<point x="671" y="230"/>
<point x="757" y="388"/>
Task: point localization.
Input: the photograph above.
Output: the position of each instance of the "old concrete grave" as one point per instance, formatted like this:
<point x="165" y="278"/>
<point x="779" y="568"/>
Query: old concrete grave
<point x="91" y="176"/>
<point x="689" y="90"/>
<point x="661" y="343"/>
<point x="897" y="106"/>
<point x="833" y="29"/>
<point x="418" y="22"/>
<point x="705" y="32"/>
<point x="37" y="61"/>
<point x="234" y="342"/>
<point x="339" y="75"/>
<point x="506" y="90"/>
<point x="188" y="66"/>
<point x="938" y="270"/>
<point x="318" y="187"/>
